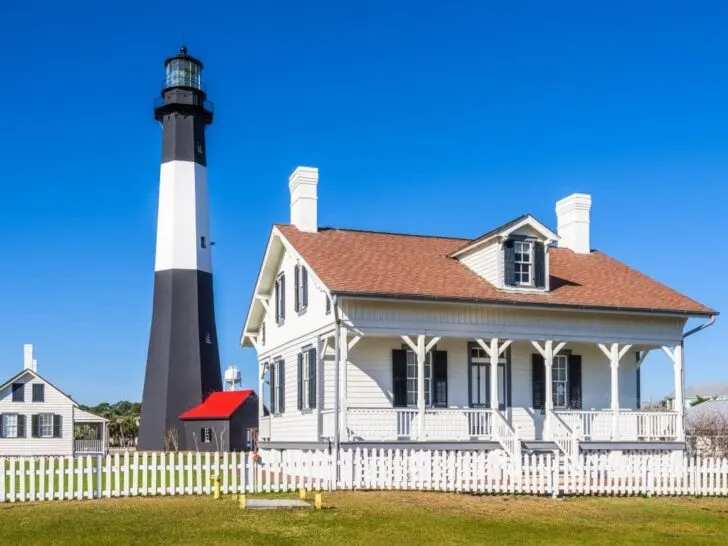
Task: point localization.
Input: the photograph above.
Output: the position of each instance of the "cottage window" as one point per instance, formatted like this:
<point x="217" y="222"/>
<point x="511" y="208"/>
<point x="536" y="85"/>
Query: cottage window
<point x="10" y="425"/>
<point x="412" y="379"/>
<point x="39" y="392"/>
<point x="280" y="298"/>
<point x="206" y="435"/>
<point x="307" y="379"/>
<point x="277" y="387"/>
<point x="559" y="381"/>
<point x="301" y="295"/>
<point x="18" y="392"/>
<point x="523" y="263"/>
<point x="45" y="425"/>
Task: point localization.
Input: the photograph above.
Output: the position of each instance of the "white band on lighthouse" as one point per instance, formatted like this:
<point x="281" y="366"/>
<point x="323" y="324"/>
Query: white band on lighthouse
<point x="183" y="240"/>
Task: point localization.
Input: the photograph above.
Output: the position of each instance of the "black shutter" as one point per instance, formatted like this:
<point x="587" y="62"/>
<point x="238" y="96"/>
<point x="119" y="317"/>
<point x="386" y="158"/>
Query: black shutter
<point x="639" y="380"/>
<point x="304" y="282"/>
<point x="539" y="264"/>
<point x="277" y="301"/>
<point x="509" y="262"/>
<point x="57" y="425"/>
<point x="300" y="381"/>
<point x="272" y="395"/>
<point x="34" y="426"/>
<point x="538" y="381"/>
<point x="311" y="377"/>
<point x="2" y="432"/>
<point x="574" y="376"/>
<point x="399" y="378"/>
<point x="281" y="386"/>
<point x="439" y="378"/>
<point x="296" y="291"/>
<point x="21" y="426"/>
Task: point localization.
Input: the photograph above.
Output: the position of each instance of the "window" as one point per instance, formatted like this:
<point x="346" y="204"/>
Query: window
<point x="523" y="263"/>
<point x="559" y="380"/>
<point x="277" y="387"/>
<point x="328" y="305"/>
<point x="10" y="425"/>
<point x="280" y="298"/>
<point x="206" y="435"/>
<point x="301" y="295"/>
<point x="39" y="392"/>
<point x="18" y="392"/>
<point x="412" y="378"/>
<point x="203" y="242"/>
<point x="307" y="379"/>
<point x="45" y="425"/>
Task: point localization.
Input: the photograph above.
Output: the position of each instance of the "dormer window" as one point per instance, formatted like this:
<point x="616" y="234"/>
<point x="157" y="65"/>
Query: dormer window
<point x="523" y="263"/>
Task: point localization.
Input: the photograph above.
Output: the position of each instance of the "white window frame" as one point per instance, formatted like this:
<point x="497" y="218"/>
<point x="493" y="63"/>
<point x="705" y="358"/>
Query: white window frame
<point x="279" y="289"/>
<point x="206" y="435"/>
<point x="278" y="391"/>
<point x="44" y="427"/>
<point x="412" y="379"/>
<point x="299" y="289"/>
<point x="305" y="379"/>
<point x="7" y="426"/>
<point x="523" y="267"/>
<point x="561" y="364"/>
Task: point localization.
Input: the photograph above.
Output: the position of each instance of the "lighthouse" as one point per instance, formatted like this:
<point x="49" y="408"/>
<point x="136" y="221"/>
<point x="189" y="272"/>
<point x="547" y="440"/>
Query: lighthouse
<point x="183" y="362"/>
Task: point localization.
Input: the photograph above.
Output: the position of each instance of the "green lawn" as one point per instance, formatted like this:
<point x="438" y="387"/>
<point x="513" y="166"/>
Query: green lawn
<point x="371" y="518"/>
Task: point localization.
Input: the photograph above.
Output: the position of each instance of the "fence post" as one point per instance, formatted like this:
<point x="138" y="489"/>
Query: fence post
<point x="98" y="476"/>
<point x="555" y="475"/>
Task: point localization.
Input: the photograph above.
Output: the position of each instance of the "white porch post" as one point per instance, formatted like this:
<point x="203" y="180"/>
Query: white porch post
<point x="614" y="353"/>
<point x="677" y="357"/>
<point x="548" y="351"/>
<point x="494" y="373"/>
<point x="344" y="388"/>
<point x="421" y="355"/>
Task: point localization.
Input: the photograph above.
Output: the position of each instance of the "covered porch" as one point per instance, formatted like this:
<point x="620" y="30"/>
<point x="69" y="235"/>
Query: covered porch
<point x="421" y="388"/>
<point x="90" y="433"/>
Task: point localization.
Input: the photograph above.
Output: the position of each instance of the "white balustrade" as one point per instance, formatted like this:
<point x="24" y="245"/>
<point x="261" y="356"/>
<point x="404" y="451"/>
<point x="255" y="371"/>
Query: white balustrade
<point x="88" y="446"/>
<point x="596" y="425"/>
<point x="389" y="424"/>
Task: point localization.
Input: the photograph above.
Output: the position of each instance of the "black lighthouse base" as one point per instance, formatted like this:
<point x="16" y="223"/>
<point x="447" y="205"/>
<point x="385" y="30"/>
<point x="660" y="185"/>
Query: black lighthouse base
<point x="183" y="362"/>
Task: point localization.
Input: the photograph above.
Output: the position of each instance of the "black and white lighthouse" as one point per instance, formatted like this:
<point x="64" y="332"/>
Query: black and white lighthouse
<point x="183" y="362"/>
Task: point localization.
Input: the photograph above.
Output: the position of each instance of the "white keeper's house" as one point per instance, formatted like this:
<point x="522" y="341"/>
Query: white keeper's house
<point x="522" y="338"/>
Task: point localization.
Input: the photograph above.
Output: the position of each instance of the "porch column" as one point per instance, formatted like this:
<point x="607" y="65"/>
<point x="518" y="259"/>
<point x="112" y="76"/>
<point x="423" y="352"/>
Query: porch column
<point x="421" y="355"/>
<point x="677" y="358"/>
<point x="344" y="388"/>
<point x="494" y="350"/>
<point x="548" y="351"/>
<point x="614" y="353"/>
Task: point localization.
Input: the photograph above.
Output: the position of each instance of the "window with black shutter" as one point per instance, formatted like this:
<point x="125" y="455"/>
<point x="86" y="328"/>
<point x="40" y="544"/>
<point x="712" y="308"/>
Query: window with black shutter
<point x="509" y="263"/>
<point x="39" y="392"/>
<point x="307" y="379"/>
<point x="538" y="382"/>
<point x="280" y="298"/>
<point x="272" y="394"/>
<point x="21" y="426"/>
<point x="399" y="378"/>
<point x="439" y="379"/>
<point x="312" y="378"/>
<point x="281" y="386"/>
<point x="57" y="426"/>
<point x="574" y="375"/>
<point x="539" y="265"/>
<point x="18" y="392"/>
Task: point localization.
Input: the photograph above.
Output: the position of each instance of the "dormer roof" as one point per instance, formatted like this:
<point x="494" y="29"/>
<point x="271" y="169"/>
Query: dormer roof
<point x="505" y="230"/>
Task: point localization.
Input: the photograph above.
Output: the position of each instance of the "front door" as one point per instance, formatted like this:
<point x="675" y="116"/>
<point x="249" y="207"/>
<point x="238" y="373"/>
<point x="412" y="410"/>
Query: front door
<point x="479" y="379"/>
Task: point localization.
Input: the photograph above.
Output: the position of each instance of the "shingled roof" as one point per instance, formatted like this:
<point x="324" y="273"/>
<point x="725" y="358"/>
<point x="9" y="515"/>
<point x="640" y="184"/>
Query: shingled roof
<point x="364" y="263"/>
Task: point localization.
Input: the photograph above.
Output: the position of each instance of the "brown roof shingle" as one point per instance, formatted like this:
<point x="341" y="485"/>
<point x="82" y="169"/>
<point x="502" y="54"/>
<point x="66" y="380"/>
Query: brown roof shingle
<point x="387" y="264"/>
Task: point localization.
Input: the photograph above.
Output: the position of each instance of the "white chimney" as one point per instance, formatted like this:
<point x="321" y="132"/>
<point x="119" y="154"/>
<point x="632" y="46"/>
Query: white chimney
<point x="29" y="363"/>
<point x="303" y="184"/>
<point x="572" y="216"/>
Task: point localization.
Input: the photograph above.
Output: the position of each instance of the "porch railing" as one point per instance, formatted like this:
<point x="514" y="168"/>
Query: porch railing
<point x="631" y="425"/>
<point x="386" y="424"/>
<point x="564" y="437"/>
<point x="504" y="433"/>
<point x="89" y="446"/>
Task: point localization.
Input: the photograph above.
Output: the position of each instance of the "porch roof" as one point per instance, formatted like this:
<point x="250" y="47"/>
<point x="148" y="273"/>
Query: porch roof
<point x="365" y="263"/>
<point x="81" y="416"/>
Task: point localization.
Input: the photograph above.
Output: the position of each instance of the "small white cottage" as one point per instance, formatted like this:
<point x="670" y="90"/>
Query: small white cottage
<point x="37" y="418"/>
<point x="521" y="338"/>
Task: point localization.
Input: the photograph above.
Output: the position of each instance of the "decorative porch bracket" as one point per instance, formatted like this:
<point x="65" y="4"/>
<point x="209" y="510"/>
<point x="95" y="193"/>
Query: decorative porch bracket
<point x="548" y="352"/>
<point x="677" y="357"/>
<point x="344" y="348"/>
<point x="615" y="353"/>
<point x="494" y="349"/>
<point x="421" y="348"/>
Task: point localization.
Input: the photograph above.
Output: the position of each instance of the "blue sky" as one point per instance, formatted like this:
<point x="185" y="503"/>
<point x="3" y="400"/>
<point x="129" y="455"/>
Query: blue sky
<point x="446" y="118"/>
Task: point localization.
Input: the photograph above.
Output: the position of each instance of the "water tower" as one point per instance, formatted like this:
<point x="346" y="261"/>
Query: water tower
<point x="232" y="381"/>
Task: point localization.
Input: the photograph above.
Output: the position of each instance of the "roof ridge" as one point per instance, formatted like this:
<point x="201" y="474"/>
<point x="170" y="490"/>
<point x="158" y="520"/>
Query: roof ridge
<point x="378" y="232"/>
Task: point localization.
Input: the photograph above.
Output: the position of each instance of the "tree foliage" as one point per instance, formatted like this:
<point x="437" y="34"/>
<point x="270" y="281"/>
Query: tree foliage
<point x="123" y="419"/>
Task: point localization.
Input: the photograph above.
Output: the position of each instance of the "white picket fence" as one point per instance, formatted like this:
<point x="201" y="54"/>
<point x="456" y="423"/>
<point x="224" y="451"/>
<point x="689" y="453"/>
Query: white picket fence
<point x="144" y="474"/>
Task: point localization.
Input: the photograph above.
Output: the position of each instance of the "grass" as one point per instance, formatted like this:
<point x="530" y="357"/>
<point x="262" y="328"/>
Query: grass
<point x="371" y="518"/>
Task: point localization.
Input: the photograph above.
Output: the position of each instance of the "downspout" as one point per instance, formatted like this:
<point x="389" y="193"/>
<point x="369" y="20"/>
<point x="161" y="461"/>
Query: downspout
<point x="337" y="394"/>
<point x="695" y="330"/>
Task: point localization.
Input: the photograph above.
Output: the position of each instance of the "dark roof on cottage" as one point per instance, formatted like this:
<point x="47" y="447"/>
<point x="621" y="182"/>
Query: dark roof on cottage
<point x="367" y="263"/>
<point x="219" y="405"/>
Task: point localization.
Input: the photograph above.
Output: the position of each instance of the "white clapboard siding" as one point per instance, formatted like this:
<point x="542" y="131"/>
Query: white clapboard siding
<point x="25" y="479"/>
